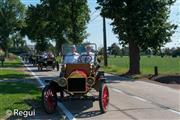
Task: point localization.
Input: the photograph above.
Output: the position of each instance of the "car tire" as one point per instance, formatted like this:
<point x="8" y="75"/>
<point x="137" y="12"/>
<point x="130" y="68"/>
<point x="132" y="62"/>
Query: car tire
<point x="103" y="97"/>
<point x="49" y="99"/>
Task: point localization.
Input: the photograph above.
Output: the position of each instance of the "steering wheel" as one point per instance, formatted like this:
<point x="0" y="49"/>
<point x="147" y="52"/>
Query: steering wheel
<point x="85" y="59"/>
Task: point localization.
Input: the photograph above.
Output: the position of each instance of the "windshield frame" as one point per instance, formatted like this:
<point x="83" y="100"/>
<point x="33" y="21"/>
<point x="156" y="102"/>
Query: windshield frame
<point x="80" y="53"/>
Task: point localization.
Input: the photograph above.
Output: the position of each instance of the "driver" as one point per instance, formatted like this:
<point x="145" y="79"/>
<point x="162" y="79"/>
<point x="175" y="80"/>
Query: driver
<point x="88" y="56"/>
<point x="71" y="57"/>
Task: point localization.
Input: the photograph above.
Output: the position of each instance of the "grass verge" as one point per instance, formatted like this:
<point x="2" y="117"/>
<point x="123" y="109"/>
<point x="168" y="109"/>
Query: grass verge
<point x="11" y="73"/>
<point x="17" y="95"/>
<point x="12" y="62"/>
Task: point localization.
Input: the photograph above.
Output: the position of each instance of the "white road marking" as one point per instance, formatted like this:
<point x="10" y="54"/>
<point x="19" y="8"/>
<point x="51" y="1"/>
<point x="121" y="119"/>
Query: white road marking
<point x="139" y="98"/>
<point x="37" y="78"/>
<point x="60" y="105"/>
<point x="136" y="97"/>
<point x="174" y="111"/>
<point x="66" y="112"/>
<point x="116" y="90"/>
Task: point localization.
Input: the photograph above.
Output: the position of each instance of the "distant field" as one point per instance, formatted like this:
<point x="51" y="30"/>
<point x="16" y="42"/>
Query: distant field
<point x="166" y="65"/>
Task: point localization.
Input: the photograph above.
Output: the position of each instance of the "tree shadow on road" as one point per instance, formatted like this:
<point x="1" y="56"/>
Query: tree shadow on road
<point x="117" y="79"/>
<point x="88" y="114"/>
<point x="81" y="108"/>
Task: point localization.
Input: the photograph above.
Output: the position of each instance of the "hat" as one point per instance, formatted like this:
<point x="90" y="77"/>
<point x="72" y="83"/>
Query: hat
<point x="73" y="46"/>
<point x="88" y="46"/>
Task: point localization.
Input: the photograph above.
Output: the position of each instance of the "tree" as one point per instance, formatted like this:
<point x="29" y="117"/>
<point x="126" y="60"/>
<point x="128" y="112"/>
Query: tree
<point x="100" y="50"/>
<point x="175" y="52"/>
<point x="17" y="40"/>
<point x="167" y="51"/>
<point x="36" y="27"/>
<point x="11" y="20"/>
<point x="63" y="21"/>
<point x="142" y="24"/>
<point x="114" y="49"/>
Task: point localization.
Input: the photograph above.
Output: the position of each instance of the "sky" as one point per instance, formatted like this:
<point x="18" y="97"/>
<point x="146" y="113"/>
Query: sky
<point x="95" y="25"/>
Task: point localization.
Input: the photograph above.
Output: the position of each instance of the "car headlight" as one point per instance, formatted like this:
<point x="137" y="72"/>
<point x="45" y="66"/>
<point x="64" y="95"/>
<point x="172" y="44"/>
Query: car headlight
<point x="62" y="82"/>
<point x="90" y="81"/>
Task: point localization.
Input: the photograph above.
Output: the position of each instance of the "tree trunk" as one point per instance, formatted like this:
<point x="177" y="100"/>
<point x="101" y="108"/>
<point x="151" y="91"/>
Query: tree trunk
<point x="6" y="53"/>
<point x="134" y="58"/>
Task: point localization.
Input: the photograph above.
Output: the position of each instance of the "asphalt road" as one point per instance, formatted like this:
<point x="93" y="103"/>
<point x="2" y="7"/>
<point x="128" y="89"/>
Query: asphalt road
<point x="129" y="100"/>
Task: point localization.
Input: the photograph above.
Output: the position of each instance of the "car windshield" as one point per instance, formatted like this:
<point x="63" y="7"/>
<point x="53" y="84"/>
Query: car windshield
<point x="83" y="53"/>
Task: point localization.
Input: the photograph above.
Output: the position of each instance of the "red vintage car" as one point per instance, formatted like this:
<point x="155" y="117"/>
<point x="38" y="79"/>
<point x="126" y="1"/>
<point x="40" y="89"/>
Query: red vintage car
<point x="77" y="79"/>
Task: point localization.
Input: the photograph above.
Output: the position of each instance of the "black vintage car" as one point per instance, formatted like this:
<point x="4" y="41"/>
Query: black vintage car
<point x="48" y="62"/>
<point x="32" y="59"/>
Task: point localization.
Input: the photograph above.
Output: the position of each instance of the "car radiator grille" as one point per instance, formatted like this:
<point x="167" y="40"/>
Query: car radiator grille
<point x="76" y="85"/>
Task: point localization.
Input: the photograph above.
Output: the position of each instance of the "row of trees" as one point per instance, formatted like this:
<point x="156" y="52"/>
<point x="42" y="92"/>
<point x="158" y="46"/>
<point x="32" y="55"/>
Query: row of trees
<point x="174" y="52"/>
<point x="116" y="50"/>
<point x="140" y="24"/>
<point x="61" y="21"/>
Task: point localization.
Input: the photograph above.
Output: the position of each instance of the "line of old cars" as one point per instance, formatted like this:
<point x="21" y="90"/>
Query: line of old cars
<point x="44" y="60"/>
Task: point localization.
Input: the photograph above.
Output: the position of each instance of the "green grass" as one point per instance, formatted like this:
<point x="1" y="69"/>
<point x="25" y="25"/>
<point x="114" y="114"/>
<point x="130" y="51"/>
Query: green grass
<point x="12" y="62"/>
<point x="166" y="65"/>
<point x="8" y="73"/>
<point x="17" y="95"/>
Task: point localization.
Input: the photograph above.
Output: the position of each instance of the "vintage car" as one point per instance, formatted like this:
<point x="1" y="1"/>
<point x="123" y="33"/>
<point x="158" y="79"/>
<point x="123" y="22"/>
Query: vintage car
<point x="32" y="58"/>
<point x="76" y="81"/>
<point x="49" y="62"/>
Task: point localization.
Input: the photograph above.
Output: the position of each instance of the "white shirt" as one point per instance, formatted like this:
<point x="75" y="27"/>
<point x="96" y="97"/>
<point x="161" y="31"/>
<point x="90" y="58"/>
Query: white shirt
<point x="71" y="58"/>
<point x="85" y="55"/>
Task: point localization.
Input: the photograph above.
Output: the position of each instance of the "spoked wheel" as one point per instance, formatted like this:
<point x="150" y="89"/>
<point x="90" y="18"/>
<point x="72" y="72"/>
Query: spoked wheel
<point x="103" y="98"/>
<point x="49" y="99"/>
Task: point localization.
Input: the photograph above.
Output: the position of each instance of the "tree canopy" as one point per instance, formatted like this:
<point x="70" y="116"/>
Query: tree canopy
<point x="63" y="21"/>
<point x="11" y="20"/>
<point x="142" y="24"/>
<point x="114" y="49"/>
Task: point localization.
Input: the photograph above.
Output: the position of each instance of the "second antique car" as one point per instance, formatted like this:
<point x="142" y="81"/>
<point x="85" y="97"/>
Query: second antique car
<point x="47" y="61"/>
<point x="77" y="79"/>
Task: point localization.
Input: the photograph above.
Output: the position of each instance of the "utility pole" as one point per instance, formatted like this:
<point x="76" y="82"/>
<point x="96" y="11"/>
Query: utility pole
<point x="105" y="42"/>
